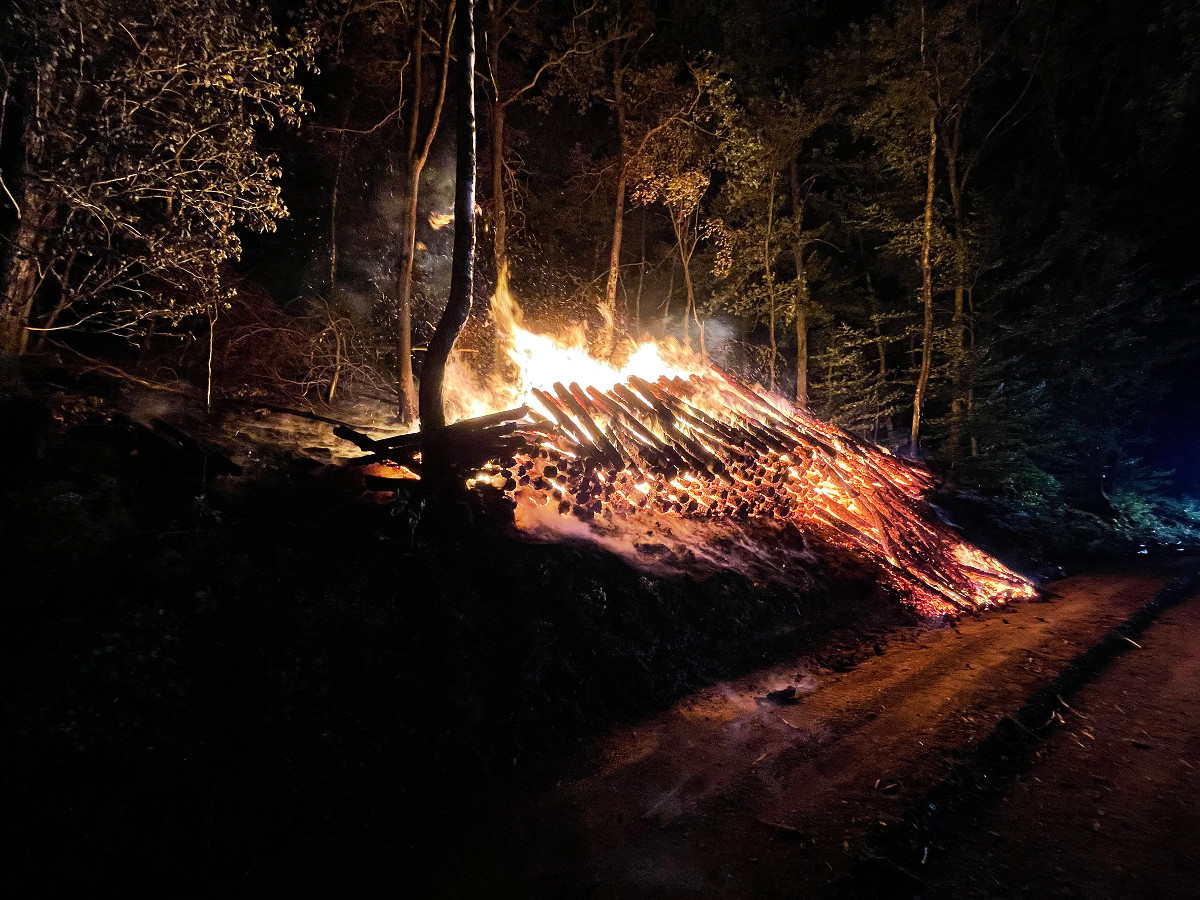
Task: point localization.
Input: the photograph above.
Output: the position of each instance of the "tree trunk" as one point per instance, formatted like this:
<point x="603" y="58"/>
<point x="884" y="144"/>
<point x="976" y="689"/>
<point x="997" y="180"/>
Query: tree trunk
<point x="499" y="207"/>
<point x="333" y="258"/>
<point x="614" y="259"/>
<point x="769" y="277"/>
<point x="971" y="370"/>
<point x="881" y="350"/>
<point x="690" y="312"/>
<point x="23" y="276"/>
<point x="417" y="155"/>
<point x="926" y="291"/>
<point x="685" y="243"/>
<point x="637" y="300"/>
<point x="406" y="386"/>
<point x="333" y="204"/>
<point x="458" y="306"/>
<point x="666" y="307"/>
<point x="800" y="303"/>
<point x="333" y="241"/>
<point x="801" y="314"/>
<point x="958" y="394"/>
<point x="1095" y="499"/>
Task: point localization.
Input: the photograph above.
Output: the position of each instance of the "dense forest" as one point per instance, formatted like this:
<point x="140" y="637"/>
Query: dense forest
<point x="960" y="229"/>
<point x="301" y="594"/>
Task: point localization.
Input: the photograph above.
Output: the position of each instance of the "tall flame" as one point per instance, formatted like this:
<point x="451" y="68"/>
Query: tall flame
<point x="540" y="360"/>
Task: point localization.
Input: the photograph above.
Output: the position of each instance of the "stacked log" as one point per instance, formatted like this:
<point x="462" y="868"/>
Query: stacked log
<point x="712" y="447"/>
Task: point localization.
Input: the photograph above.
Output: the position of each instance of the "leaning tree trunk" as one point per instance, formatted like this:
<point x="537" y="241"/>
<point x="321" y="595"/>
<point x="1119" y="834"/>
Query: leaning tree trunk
<point x="435" y="458"/>
<point x="926" y="291"/>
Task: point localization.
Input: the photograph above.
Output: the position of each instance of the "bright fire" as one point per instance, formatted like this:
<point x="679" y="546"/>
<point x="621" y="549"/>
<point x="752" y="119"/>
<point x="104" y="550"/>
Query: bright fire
<point x="653" y="435"/>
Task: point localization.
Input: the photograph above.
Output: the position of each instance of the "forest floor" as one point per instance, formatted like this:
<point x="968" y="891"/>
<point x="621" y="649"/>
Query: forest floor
<point x="222" y="679"/>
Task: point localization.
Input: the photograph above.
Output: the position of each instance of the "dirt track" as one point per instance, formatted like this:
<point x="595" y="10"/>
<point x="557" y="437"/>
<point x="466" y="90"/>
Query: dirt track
<point x="1112" y="807"/>
<point x="730" y="794"/>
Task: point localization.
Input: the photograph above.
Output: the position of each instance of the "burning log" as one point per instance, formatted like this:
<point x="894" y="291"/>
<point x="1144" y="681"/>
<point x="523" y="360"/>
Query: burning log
<point x="673" y="440"/>
<point x="666" y="456"/>
<point x="598" y="440"/>
<point x="774" y="421"/>
<point x="565" y="422"/>
<point x="687" y="446"/>
<point x="711" y="429"/>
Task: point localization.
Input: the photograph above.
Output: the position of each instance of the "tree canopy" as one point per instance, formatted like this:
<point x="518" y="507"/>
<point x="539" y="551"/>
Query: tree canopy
<point x="955" y="227"/>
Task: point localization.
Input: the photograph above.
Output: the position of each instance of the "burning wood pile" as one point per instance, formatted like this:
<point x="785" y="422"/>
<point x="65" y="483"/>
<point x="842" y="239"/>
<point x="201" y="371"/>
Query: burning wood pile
<point x="702" y="445"/>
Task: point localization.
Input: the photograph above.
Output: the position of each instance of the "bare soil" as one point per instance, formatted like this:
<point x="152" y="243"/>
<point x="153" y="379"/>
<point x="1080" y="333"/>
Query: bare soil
<point x="730" y="793"/>
<point x="1112" y="807"/>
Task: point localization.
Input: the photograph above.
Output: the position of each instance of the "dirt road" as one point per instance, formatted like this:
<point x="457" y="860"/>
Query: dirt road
<point x="732" y="794"/>
<point x="1111" y="809"/>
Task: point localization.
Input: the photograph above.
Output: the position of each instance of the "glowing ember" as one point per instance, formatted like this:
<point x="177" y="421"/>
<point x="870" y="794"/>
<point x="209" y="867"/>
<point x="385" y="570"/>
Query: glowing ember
<point x="656" y="436"/>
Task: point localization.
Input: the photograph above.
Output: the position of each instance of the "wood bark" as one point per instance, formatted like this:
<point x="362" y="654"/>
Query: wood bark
<point x="500" y="26"/>
<point x="499" y="210"/>
<point x="406" y="385"/>
<point x="686" y="230"/>
<point x="335" y="194"/>
<point x="926" y="289"/>
<point x="458" y="306"/>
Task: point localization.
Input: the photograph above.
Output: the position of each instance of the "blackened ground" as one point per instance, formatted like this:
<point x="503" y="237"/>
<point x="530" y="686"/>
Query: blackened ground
<point x="273" y="679"/>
